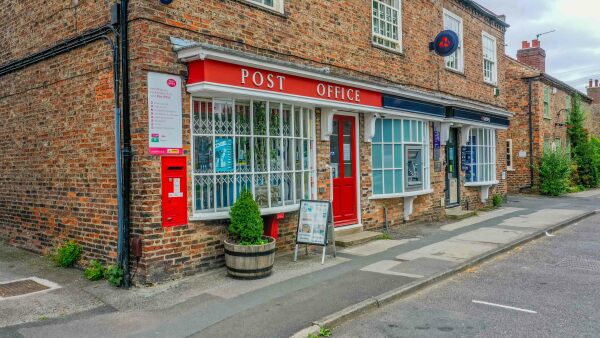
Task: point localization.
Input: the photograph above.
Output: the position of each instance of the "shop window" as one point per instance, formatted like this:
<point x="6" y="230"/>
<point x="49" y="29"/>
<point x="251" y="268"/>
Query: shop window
<point x="455" y="23"/>
<point x="481" y="156"/>
<point x="276" y="5"/>
<point x="400" y="157"/>
<point x="509" y="154"/>
<point x="264" y="146"/>
<point x="546" y="102"/>
<point x="387" y="24"/>
<point x="490" y="65"/>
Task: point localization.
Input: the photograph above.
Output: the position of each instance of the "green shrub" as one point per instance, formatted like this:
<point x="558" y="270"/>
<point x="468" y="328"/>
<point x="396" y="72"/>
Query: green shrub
<point x="246" y="225"/>
<point x="497" y="201"/>
<point x="586" y="150"/>
<point x="554" y="171"/>
<point x="323" y="332"/>
<point x="95" y="271"/>
<point x="67" y="254"/>
<point x="114" y="275"/>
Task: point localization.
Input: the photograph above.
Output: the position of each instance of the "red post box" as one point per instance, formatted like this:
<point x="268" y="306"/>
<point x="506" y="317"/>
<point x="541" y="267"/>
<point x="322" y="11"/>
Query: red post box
<point x="174" y="191"/>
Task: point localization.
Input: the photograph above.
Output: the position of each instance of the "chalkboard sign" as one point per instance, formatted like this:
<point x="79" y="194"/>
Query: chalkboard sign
<point x="313" y="219"/>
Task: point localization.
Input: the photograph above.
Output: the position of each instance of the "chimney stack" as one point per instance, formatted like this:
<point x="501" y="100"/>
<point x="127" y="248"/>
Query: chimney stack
<point x="532" y="55"/>
<point x="593" y="91"/>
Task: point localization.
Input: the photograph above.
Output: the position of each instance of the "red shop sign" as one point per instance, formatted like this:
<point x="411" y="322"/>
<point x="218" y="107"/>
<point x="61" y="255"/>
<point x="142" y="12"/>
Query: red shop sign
<point x="253" y="78"/>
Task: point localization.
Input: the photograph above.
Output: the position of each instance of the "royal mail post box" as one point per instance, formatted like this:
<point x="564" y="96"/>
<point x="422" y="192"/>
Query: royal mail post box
<point x="174" y="191"/>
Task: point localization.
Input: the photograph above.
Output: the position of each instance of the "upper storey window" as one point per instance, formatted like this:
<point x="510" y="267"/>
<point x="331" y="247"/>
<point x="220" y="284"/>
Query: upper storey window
<point x="455" y="23"/>
<point x="490" y="65"/>
<point x="387" y="26"/>
<point x="276" y="5"/>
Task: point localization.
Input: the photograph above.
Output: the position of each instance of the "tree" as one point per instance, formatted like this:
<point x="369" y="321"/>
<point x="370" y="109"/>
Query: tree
<point x="585" y="152"/>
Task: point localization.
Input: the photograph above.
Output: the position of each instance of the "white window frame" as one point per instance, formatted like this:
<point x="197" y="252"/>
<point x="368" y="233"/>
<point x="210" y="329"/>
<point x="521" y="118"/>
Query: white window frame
<point x="277" y="4"/>
<point x="377" y="35"/>
<point x="307" y="166"/>
<point x="426" y="168"/>
<point x="509" y="155"/>
<point x="485" y="150"/>
<point x="493" y="79"/>
<point x="459" y="54"/>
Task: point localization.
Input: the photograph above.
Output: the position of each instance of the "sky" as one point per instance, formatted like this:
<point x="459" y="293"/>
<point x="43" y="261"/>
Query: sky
<point x="573" y="51"/>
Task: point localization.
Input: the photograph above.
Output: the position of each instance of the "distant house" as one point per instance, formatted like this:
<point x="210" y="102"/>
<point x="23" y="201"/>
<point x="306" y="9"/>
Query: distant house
<point x="541" y="104"/>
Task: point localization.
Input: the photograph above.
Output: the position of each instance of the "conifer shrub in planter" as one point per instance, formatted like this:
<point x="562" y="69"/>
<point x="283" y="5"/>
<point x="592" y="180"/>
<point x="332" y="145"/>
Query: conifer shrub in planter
<point x="248" y="253"/>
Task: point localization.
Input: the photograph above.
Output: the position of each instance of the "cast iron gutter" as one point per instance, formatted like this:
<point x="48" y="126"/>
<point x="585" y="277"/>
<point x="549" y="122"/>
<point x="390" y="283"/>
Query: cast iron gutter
<point x="60" y="48"/>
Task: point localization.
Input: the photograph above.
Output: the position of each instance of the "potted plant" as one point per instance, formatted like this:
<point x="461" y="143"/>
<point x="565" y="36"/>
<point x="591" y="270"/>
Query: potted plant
<point x="248" y="253"/>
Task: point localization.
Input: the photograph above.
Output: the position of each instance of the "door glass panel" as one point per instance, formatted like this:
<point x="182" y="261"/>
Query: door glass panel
<point x="334" y="144"/>
<point x="347" y="151"/>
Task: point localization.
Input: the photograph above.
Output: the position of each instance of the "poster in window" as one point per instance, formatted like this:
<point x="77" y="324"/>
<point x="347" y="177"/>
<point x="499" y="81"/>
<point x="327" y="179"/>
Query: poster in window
<point x="223" y="154"/>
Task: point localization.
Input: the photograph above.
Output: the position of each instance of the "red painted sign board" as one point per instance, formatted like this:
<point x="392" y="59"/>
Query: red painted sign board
<point x="219" y="72"/>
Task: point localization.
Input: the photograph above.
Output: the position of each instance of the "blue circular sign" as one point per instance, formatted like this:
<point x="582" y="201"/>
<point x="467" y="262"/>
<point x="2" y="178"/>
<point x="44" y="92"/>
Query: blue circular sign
<point x="445" y="43"/>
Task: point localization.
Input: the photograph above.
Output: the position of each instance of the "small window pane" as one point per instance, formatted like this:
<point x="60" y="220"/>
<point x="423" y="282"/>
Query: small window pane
<point x="378" y="129"/>
<point x="387" y="130"/>
<point x="397" y="130"/>
<point x="399" y="181"/>
<point x="388" y="156"/>
<point x="389" y="182"/>
<point x="377" y="182"/>
<point x="377" y="156"/>
<point x="406" y="130"/>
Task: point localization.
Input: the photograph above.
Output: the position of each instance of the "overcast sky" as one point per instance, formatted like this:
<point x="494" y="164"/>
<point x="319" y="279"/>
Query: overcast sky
<point x="573" y="51"/>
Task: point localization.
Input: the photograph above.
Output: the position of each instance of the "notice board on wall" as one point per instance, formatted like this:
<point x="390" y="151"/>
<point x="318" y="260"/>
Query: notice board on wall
<point x="165" y="131"/>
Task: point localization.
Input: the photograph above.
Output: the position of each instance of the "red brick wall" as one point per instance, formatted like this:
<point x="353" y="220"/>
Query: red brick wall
<point x="66" y="189"/>
<point x="57" y="165"/>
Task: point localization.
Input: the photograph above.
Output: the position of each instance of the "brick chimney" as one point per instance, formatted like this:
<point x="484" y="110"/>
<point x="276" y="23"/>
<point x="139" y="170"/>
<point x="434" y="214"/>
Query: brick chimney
<point x="532" y="55"/>
<point x="593" y="91"/>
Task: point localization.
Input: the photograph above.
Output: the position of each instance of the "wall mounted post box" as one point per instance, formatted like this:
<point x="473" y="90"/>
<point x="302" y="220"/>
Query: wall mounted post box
<point x="174" y="191"/>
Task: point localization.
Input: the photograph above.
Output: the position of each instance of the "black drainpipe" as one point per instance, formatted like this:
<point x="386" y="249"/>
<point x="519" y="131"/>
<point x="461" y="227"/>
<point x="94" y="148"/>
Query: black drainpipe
<point x="530" y="113"/>
<point x="126" y="151"/>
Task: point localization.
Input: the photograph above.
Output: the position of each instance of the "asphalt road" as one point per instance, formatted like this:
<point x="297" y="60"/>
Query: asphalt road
<point x="546" y="288"/>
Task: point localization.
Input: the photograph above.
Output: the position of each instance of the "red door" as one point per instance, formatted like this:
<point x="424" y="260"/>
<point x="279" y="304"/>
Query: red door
<point x="343" y="162"/>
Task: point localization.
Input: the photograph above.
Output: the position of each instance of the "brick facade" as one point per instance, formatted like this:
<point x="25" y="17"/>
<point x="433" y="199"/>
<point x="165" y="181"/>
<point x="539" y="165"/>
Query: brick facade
<point x="57" y="173"/>
<point x="547" y="128"/>
<point x="593" y="91"/>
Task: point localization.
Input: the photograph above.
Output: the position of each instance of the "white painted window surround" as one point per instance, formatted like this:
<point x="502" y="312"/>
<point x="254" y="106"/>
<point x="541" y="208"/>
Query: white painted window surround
<point x="490" y="63"/>
<point x="265" y="146"/>
<point x="387" y="23"/>
<point x="481" y="157"/>
<point x="455" y="23"/>
<point x="276" y="5"/>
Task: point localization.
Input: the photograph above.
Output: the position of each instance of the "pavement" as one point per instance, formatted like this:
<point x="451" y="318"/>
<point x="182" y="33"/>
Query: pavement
<point x="295" y="297"/>
<point x="546" y="288"/>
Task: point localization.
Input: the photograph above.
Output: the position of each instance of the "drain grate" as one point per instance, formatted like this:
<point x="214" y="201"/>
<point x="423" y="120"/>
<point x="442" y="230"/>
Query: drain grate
<point x="20" y="287"/>
<point x="580" y="263"/>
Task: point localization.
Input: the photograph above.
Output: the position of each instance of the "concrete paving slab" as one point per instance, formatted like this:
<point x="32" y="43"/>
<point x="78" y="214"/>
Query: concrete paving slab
<point x="386" y="267"/>
<point x="491" y="235"/>
<point x="451" y="250"/>
<point x="541" y="218"/>
<point x="481" y="217"/>
<point x="284" y="269"/>
<point x="586" y="194"/>
<point x="375" y="247"/>
<point x="423" y="266"/>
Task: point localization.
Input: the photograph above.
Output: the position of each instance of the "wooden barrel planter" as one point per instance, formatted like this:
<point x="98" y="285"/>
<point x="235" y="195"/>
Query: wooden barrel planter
<point x="250" y="261"/>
